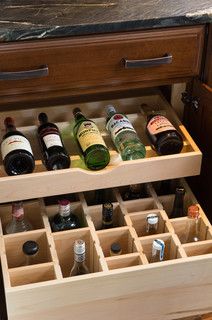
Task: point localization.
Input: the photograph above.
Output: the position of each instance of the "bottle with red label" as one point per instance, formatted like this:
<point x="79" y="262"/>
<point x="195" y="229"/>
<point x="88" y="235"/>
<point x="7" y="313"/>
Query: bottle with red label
<point x="16" y="151"/>
<point x="164" y="137"/>
<point x="54" y="153"/>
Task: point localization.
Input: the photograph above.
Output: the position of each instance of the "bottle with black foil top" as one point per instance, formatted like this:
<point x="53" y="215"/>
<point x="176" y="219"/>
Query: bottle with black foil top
<point x="107" y="215"/>
<point x="164" y="137"/>
<point x="16" y="151"/>
<point x="54" y="153"/>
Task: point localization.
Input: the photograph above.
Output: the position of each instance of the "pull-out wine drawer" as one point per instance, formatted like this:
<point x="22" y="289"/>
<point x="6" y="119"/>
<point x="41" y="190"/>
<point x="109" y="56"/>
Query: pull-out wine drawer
<point x="118" y="285"/>
<point x="38" y="70"/>
<point x="117" y="173"/>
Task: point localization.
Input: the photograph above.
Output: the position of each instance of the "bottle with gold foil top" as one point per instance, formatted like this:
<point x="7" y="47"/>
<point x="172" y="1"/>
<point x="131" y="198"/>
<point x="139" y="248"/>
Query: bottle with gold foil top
<point x="107" y="215"/>
<point x="91" y="143"/>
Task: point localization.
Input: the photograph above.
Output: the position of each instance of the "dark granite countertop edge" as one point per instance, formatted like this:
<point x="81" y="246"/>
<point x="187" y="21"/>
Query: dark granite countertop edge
<point x="20" y="33"/>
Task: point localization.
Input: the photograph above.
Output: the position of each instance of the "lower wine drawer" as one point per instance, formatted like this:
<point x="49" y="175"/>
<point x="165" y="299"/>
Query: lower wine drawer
<point x="77" y="178"/>
<point x="117" y="286"/>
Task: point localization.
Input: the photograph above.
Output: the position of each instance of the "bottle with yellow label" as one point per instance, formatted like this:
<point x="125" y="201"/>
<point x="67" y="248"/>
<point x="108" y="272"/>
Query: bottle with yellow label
<point x="91" y="143"/>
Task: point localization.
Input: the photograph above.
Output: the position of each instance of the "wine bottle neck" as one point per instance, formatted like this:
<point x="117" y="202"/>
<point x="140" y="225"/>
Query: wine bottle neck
<point x="43" y="118"/>
<point x="9" y="124"/>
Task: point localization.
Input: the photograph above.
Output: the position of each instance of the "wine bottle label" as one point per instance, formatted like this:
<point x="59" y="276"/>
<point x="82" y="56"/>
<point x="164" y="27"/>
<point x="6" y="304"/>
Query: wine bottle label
<point x="159" y="124"/>
<point x="88" y="134"/>
<point x="117" y="124"/>
<point x="14" y="142"/>
<point x="51" y="140"/>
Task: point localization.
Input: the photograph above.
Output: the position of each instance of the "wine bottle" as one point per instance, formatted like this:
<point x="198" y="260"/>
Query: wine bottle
<point x="92" y="145"/>
<point x="178" y="207"/>
<point x="192" y="226"/>
<point x="152" y="220"/>
<point x="19" y="222"/>
<point x="54" y="153"/>
<point x="158" y="248"/>
<point x="164" y="137"/>
<point x="107" y="215"/>
<point x="64" y="219"/>
<point x="79" y="266"/>
<point x="30" y="250"/>
<point x="124" y="135"/>
<point x="16" y="151"/>
<point x="115" y="249"/>
<point x="133" y="192"/>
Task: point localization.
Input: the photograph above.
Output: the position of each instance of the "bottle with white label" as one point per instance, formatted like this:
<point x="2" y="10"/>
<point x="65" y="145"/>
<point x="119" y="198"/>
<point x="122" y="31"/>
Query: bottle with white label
<point x="19" y="222"/>
<point x="54" y="153"/>
<point x="124" y="135"/>
<point x="16" y="151"/>
<point x="164" y="137"/>
<point x="91" y="143"/>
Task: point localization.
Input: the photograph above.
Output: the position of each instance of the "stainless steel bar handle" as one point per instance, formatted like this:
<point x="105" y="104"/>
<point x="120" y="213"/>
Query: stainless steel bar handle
<point x="166" y="59"/>
<point x="42" y="71"/>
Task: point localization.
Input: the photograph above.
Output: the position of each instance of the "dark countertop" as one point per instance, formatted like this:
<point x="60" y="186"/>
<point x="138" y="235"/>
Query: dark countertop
<point x="30" y="19"/>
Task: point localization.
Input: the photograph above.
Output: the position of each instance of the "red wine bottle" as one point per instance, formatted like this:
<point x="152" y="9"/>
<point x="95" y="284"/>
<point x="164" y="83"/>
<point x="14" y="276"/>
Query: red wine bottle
<point x="163" y="136"/>
<point x="54" y="153"/>
<point x="16" y="151"/>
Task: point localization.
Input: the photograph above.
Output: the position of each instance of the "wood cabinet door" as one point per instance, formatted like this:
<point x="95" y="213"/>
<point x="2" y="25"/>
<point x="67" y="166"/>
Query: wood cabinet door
<point x="199" y="123"/>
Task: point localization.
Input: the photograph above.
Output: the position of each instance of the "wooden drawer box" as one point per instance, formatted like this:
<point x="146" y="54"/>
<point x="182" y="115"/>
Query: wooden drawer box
<point x="90" y="64"/>
<point x="78" y="178"/>
<point x="116" y="286"/>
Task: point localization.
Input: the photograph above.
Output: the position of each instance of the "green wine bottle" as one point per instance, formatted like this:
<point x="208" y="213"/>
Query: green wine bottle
<point x="92" y="145"/>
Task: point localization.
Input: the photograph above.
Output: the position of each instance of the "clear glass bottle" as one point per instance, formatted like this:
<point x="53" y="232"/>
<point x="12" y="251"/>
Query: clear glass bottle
<point x="124" y="135"/>
<point x="152" y="220"/>
<point x="53" y="150"/>
<point x="16" y="151"/>
<point x="115" y="249"/>
<point x="107" y="215"/>
<point x="30" y="249"/>
<point x="158" y="248"/>
<point x="64" y="219"/>
<point x="79" y="266"/>
<point x="19" y="222"/>
<point x="192" y="226"/>
<point x="91" y="143"/>
<point x="178" y="207"/>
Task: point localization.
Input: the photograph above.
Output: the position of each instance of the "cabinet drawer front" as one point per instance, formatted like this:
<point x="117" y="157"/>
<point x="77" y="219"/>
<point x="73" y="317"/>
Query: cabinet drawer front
<point x="130" y="280"/>
<point x="93" y="61"/>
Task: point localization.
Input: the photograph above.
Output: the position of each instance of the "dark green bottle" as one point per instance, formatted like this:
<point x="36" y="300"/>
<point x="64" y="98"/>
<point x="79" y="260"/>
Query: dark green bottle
<point x="92" y="145"/>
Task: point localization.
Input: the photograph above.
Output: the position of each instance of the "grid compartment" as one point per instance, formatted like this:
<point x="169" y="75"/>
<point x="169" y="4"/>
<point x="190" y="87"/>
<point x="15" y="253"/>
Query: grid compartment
<point x="139" y="222"/>
<point x="124" y="261"/>
<point x="32" y="212"/>
<point x="13" y="248"/>
<point x="64" y="244"/>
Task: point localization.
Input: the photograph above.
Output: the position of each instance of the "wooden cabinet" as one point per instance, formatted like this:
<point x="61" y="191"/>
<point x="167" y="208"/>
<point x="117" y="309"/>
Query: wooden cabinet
<point x="128" y="284"/>
<point x="52" y="69"/>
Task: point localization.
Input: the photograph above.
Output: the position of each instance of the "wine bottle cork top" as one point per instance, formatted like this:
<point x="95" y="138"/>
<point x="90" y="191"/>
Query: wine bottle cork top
<point x="193" y="212"/>
<point x="180" y="190"/>
<point x="152" y="218"/>
<point x="115" y="247"/>
<point x="30" y="247"/>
